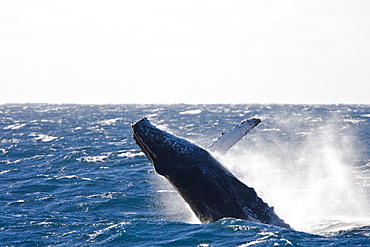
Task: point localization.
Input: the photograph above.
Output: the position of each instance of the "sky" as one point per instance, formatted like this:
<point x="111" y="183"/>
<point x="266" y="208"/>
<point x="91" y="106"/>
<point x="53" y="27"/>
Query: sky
<point x="168" y="51"/>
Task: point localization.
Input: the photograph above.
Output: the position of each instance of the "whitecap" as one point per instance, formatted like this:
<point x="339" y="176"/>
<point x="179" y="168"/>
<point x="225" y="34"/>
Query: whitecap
<point x="18" y="201"/>
<point x="270" y="130"/>
<point x="191" y="112"/>
<point x="47" y="121"/>
<point x="72" y="177"/>
<point x="43" y="137"/>
<point x="165" y="191"/>
<point x="354" y="121"/>
<point x="68" y="177"/>
<point x="98" y="158"/>
<point x="153" y="115"/>
<point x="5" y="171"/>
<point x="44" y="223"/>
<point x="128" y="154"/>
<point x="105" y="195"/>
<point x="118" y="225"/>
<point x="14" y="126"/>
<point x="109" y="121"/>
<point x="44" y="198"/>
<point x="13" y="140"/>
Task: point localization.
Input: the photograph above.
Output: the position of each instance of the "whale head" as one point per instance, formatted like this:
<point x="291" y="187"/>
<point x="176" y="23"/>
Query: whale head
<point x="168" y="153"/>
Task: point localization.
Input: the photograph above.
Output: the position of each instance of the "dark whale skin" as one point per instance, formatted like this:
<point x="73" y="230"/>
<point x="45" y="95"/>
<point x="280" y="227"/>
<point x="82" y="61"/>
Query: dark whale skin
<point x="211" y="191"/>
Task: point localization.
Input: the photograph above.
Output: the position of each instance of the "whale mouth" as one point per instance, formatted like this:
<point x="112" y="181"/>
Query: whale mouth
<point x="147" y="135"/>
<point x="164" y="150"/>
<point x="158" y="141"/>
<point x="157" y="145"/>
<point x="141" y="132"/>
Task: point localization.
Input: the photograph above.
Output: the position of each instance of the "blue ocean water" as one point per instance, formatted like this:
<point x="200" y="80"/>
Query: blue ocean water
<point x="71" y="175"/>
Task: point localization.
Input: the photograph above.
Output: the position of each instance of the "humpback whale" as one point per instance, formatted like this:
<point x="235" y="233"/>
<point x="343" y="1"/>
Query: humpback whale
<point x="211" y="191"/>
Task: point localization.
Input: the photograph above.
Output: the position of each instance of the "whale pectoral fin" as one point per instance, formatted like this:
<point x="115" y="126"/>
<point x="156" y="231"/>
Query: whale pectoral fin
<point x="230" y="138"/>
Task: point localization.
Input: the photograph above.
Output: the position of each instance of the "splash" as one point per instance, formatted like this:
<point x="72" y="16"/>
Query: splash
<point x="306" y="167"/>
<point x="170" y="204"/>
<point x="307" y="171"/>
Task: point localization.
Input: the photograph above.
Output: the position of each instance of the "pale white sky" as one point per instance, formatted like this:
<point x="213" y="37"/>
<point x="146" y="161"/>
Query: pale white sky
<point x="230" y="51"/>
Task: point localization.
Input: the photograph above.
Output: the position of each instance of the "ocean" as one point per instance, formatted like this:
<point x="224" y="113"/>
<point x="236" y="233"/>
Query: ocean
<point x="71" y="175"/>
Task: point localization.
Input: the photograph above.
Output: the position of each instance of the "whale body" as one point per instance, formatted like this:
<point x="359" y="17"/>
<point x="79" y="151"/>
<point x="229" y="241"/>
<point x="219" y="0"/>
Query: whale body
<point x="211" y="191"/>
